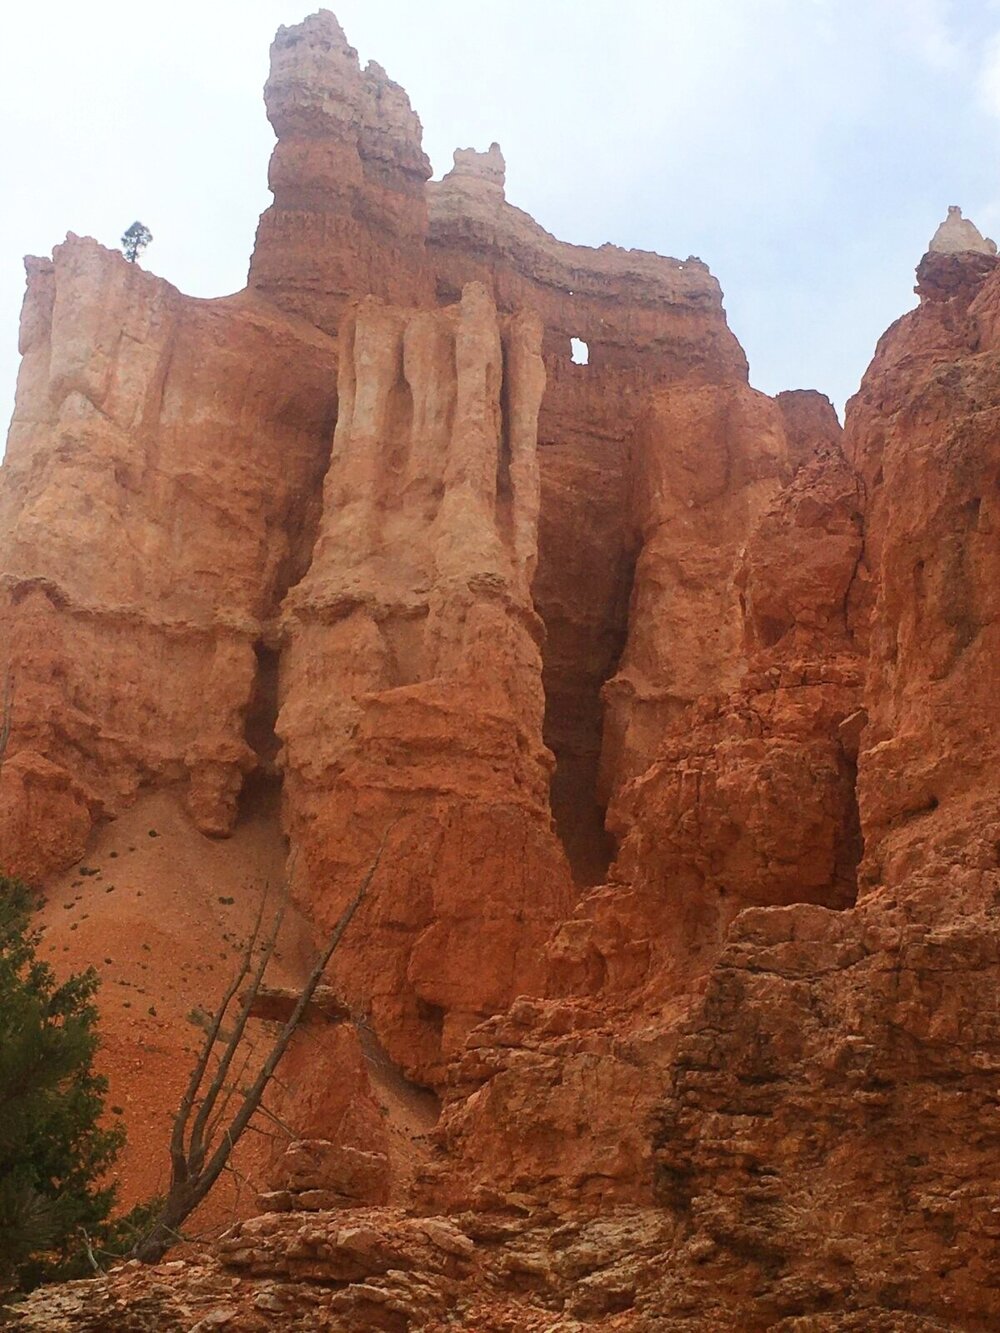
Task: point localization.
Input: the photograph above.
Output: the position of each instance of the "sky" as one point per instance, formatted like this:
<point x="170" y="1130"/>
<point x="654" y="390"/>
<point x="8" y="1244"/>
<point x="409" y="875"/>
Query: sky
<point x="805" y="149"/>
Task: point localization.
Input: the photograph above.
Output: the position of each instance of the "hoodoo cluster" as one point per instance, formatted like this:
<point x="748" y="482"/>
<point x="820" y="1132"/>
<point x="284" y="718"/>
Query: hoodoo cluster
<point x="675" y="706"/>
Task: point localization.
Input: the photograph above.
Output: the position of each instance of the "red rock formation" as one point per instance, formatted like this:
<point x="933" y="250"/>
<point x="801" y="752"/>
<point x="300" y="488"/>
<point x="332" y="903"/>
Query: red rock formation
<point x="550" y="1103"/>
<point x="416" y="610"/>
<point x="750" y="801"/>
<point x="932" y="745"/>
<point x="347" y="174"/>
<point x="733" y="694"/>
<point x="158" y="498"/>
<point x="829" y="1137"/>
<point x="519" y="591"/>
<point x="708" y="460"/>
<point x="646" y="320"/>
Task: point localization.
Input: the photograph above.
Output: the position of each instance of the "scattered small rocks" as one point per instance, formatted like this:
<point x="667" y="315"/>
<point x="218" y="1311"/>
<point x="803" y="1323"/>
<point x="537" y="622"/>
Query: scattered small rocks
<point x="373" y="1268"/>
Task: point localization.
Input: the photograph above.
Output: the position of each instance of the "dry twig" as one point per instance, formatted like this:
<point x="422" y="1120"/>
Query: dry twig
<point x="200" y="1147"/>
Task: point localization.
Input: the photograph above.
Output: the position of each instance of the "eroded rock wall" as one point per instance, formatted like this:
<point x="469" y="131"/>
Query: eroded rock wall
<point x="923" y="439"/>
<point x="501" y="532"/>
<point x="411" y="691"/>
<point x="518" y="592"/>
<point x="829" y="1136"/>
<point x="646" y="320"/>
<point x="745" y="795"/>
<point x="708" y="460"/>
<point x="749" y="800"/>
<point x="158" y="497"/>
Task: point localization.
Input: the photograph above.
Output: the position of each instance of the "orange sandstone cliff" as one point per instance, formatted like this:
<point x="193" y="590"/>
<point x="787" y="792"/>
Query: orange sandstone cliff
<point x="673" y="706"/>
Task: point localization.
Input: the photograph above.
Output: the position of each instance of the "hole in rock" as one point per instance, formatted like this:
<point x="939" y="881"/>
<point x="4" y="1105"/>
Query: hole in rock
<point x="260" y="801"/>
<point x="579" y="352"/>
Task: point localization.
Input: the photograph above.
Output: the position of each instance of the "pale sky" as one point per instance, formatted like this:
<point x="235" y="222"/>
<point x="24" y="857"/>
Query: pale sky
<point x="805" y="149"/>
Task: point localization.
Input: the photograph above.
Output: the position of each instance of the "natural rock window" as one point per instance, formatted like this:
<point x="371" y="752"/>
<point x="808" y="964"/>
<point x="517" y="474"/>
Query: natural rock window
<point x="579" y="352"/>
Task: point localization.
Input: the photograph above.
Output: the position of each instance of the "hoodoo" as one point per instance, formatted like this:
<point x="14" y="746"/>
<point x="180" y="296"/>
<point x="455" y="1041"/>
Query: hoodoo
<point x="674" y="709"/>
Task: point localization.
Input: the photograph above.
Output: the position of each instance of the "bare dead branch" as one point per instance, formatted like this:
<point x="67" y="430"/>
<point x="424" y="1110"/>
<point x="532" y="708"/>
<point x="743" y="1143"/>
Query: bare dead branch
<point x="236" y="1085"/>
<point x="199" y="1144"/>
<point x="6" y="712"/>
<point x="191" y="1176"/>
<point x="88" y="1249"/>
<point x="241" y="1181"/>
<point x="287" y="1131"/>
<point x="178" y="1154"/>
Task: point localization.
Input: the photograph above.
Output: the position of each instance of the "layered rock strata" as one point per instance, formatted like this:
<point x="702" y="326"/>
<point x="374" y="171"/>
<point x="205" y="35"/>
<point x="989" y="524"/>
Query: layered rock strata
<point x="417" y="605"/>
<point x="488" y="617"/>
<point x="646" y="320"/>
<point x="830" y="1131"/>
<point x="159" y="496"/>
<point x="347" y="173"/>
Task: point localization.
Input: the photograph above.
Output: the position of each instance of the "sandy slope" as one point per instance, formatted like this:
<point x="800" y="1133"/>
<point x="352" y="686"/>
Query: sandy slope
<point x="161" y="911"/>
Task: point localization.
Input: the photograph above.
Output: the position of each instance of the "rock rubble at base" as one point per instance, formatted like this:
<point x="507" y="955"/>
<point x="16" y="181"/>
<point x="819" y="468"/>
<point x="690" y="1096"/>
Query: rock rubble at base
<point x="377" y="1269"/>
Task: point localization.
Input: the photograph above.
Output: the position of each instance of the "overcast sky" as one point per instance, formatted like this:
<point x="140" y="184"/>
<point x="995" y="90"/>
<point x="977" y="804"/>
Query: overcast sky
<point x="805" y="149"/>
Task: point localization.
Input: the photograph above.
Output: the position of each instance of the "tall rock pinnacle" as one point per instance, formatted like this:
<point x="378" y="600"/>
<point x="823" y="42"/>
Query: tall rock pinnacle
<point x="347" y="174"/>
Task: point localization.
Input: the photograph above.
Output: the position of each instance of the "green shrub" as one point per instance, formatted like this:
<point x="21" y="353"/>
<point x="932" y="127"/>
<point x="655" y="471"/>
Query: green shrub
<point x="54" y="1153"/>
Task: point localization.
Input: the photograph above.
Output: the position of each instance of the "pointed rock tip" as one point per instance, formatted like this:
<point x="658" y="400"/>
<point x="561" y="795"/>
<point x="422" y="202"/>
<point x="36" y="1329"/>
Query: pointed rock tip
<point x="956" y="235"/>
<point x="324" y="23"/>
